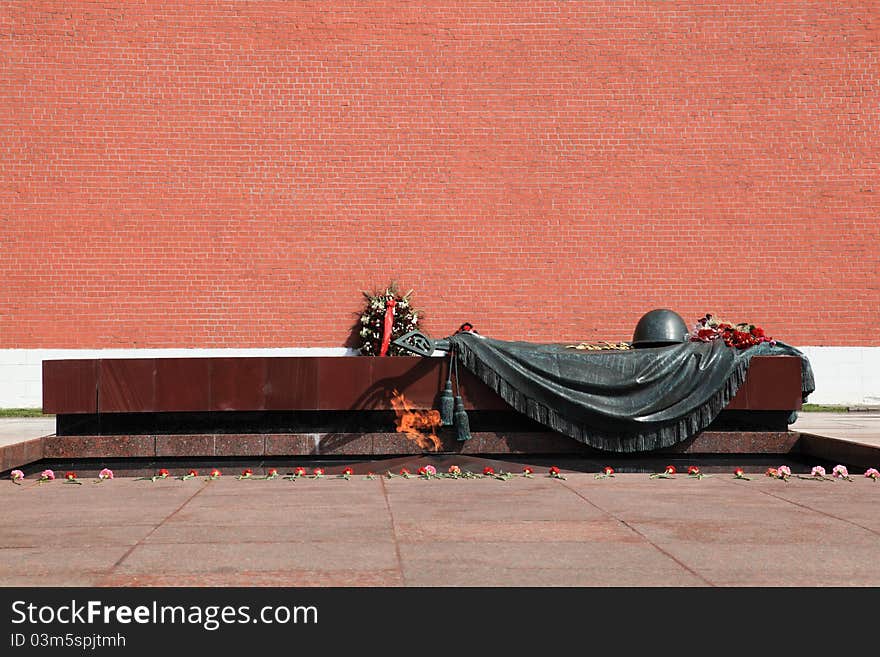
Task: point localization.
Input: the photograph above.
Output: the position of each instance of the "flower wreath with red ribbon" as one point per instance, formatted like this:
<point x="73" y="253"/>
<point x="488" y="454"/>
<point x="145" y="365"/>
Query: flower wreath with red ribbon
<point x="387" y="316"/>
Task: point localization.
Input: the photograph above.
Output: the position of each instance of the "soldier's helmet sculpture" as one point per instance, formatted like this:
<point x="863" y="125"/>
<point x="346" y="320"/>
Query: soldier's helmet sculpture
<point x="660" y="328"/>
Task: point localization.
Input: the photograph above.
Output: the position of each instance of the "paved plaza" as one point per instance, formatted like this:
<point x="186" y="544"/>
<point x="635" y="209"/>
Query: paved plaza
<point x="629" y="530"/>
<point x="626" y="531"/>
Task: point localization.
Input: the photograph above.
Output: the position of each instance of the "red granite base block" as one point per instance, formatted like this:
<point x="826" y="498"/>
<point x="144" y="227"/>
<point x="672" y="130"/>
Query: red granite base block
<point x="739" y="442"/>
<point x="239" y="444"/>
<point x="332" y="444"/>
<point x="289" y="444"/>
<point x="489" y="442"/>
<point x="375" y="444"/>
<point x="396" y="443"/>
<point x="19" y="454"/>
<point x="61" y="447"/>
<point x="185" y="445"/>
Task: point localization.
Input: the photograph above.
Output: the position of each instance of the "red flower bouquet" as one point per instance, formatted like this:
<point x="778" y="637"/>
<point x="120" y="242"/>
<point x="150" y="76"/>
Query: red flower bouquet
<point x="738" y="336"/>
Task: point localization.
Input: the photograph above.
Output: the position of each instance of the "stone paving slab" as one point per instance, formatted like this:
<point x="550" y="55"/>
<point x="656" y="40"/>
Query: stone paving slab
<point x="18" y="429"/>
<point x="861" y="427"/>
<point x="625" y="531"/>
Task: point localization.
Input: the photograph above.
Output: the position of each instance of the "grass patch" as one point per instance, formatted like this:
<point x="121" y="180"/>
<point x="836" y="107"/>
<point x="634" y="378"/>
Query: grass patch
<point x="819" y="408"/>
<point x="22" y="412"/>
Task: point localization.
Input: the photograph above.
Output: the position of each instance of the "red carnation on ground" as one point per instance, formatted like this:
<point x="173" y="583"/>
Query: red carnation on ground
<point x="347" y="471"/>
<point x="71" y="478"/>
<point x="556" y="473"/>
<point x="528" y="472"/>
<point x="695" y="472"/>
<point x="300" y="472"/>
<point x="247" y="473"/>
<point x="215" y="473"/>
<point x="317" y="473"/>
<point x="488" y="471"/>
<point x="739" y="473"/>
<point x="607" y="472"/>
<point x="668" y="473"/>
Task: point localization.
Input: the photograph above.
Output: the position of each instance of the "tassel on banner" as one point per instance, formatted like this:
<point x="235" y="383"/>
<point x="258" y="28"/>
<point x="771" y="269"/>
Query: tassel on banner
<point x="462" y="424"/>
<point x="446" y="401"/>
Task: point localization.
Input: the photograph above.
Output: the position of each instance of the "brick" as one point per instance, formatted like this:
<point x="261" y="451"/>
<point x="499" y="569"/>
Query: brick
<point x="233" y="174"/>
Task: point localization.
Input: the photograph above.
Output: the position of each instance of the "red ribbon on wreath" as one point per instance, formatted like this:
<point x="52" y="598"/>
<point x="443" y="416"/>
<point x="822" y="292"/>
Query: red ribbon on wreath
<point x="389" y="326"/>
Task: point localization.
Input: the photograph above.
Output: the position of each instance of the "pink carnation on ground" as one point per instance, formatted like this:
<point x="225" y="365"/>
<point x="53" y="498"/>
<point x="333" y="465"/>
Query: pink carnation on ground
<point x="840" y="471"/>
<point x="818" y="471"/>
<point x="106" y="473"/>
<point x="18" y="475"/>
<point x="431" y="470"/>
<point x="47" y="475"/>
<point x="872" y="473"/>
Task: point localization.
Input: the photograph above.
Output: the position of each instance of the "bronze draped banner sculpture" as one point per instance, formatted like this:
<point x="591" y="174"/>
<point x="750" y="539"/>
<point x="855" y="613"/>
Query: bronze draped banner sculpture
<point x="620" y="401"/>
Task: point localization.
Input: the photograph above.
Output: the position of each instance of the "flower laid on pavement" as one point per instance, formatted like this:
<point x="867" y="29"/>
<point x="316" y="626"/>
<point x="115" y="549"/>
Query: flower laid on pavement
<point x="189" y="475"/>
<point x="489" y="471"/>
<point x="872" y="474"/>
<point x="214" y="474"/>
<point x="346" y="473"/>
<point x="271" y="473"/>
<point x="70" y="478"/>
<point x="528" y="472"/>
<point x="104" y="475"/>
<point x="668" y="473"/>
<point x="817" y="473"/>
<point x="297" y="474"/>
<point x="454" y="471"/>
<point x="428" y="472"/>
<point x="161" y="474"/>
<point x="318" y="473"/>
<point x="17" y="477"/>
<point x="606" y="473"/>
<point x="247" y="473"/>
<point x="46" y="475"/>
<point x="840" y="472"/>
<point x="555" y="473"/>
<point x="739" y="473"/>
<point x="695" y="473"/>
<point x="370" y="475"/>
<point x="782" y="472"/>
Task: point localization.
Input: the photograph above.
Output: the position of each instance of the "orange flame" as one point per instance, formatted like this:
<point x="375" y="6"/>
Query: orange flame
<point x="416" y="424"/>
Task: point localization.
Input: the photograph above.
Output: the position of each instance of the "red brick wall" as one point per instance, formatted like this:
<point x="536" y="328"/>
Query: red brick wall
<point x="233" y="174"/>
